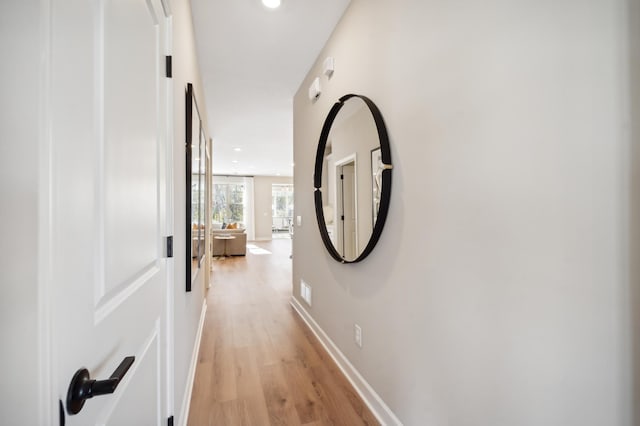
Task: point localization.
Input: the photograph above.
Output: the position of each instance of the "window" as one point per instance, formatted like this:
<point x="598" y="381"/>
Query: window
<point x="228" y="202"/>
<point x="281" y="207"/>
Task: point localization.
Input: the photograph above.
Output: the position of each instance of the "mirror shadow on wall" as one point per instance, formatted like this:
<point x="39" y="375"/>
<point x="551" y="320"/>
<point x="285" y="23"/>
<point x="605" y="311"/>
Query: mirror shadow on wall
<point x="353" y="178"/>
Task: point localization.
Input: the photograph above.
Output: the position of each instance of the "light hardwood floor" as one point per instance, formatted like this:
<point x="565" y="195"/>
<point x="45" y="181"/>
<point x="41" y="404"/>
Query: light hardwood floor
<point x="258" y="362"/>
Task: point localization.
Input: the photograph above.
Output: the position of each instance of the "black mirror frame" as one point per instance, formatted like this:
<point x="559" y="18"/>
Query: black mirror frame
<point x="385" y="197"/>
<point x="190" y="101"/>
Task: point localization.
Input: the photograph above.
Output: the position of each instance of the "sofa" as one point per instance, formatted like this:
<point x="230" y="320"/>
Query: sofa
<point x="234" y="247"/>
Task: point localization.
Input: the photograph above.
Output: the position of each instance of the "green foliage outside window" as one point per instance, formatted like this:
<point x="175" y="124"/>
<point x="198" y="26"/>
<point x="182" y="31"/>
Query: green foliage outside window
<point x="228" y="202"/>
<point x="281" y="206"/>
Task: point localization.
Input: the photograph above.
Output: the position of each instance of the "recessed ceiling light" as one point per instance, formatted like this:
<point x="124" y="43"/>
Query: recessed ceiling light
<point x="271" y="4"/>
<point x="237" y="149"/>
<point x="235" y="161"/>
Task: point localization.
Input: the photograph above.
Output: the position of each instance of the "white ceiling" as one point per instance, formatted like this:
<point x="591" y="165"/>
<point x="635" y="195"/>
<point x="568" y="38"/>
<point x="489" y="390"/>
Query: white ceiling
<point x="252" y="61"/>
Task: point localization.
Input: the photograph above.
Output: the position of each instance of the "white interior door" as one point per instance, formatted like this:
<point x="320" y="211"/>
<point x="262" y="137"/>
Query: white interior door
<point x="109" y="203"/>
<point x="349" y="211"/>
<point x="347" y="223"/>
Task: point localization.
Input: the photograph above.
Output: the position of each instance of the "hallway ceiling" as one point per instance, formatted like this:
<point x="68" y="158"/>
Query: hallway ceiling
<point x="252" y="60"/>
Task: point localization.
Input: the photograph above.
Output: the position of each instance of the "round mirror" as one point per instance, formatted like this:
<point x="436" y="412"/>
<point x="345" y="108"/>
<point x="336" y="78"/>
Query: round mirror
<point x="352" y="178"/>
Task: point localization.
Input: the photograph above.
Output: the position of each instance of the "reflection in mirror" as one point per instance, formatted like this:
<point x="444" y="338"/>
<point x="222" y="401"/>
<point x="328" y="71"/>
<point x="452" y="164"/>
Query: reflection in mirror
<point x="351" y="178"/>
<point x="195" y="187"/>
<point x="197" y="219"/>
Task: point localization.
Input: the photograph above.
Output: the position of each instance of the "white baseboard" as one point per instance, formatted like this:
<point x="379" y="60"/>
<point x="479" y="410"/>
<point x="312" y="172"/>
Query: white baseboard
<point x="377" y="406"/>
<point x="186" y="401"/>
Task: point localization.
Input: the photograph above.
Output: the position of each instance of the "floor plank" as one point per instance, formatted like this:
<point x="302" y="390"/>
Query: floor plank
<point x="259" y="364"/>
<point x="278" y="396"/>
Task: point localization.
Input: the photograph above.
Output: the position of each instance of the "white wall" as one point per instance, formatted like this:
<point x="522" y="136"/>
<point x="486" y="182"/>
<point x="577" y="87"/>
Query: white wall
<point x="262" y="204"/>
<point x="20" y="108"/>
<point x="187" y="306"/>
<point x="502" y="290"/>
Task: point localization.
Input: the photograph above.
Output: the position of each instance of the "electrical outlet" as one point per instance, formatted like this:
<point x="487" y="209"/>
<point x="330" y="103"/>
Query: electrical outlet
<point x="358" y="335"/>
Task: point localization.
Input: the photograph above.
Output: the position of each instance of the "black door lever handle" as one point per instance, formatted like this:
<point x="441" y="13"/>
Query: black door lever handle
<point x="82" y="387"/>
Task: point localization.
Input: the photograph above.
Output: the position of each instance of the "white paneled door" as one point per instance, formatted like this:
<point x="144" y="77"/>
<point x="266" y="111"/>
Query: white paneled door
<point x="109" y="203"/>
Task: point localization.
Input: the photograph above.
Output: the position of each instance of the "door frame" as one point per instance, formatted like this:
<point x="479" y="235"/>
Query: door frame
<point x="48" y="406"/>
<point x="169" y="321"/>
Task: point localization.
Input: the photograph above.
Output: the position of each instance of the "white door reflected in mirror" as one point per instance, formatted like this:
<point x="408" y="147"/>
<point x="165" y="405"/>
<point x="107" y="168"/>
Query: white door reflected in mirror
<point x="348" y="178"/>
<point x="346" y="189"/>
